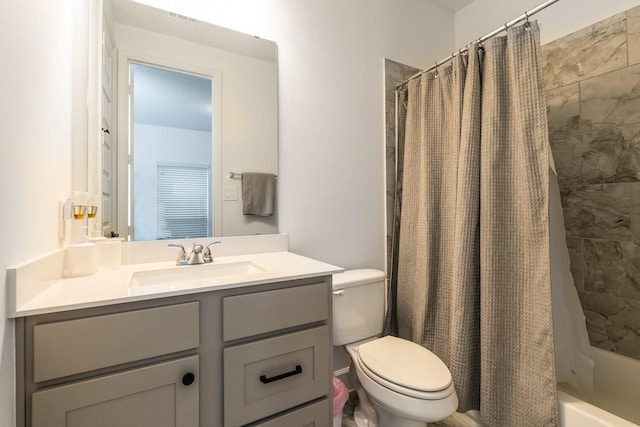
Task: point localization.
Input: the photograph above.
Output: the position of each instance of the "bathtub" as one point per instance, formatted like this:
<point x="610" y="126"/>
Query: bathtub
<point x="615" y="402"/>
<point x="578" y="413"/>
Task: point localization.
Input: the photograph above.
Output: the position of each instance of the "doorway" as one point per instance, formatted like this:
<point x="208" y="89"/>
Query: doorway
<point x="170" y="153"/>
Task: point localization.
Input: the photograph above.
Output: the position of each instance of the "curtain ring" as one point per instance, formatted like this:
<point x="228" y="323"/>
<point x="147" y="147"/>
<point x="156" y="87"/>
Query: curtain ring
<point x="527" y="24"/>
<point x="436" y="74"/>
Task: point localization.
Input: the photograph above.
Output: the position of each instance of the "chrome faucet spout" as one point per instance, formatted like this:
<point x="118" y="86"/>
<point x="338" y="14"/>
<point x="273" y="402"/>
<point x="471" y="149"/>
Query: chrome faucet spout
<point x="196" y="256"/>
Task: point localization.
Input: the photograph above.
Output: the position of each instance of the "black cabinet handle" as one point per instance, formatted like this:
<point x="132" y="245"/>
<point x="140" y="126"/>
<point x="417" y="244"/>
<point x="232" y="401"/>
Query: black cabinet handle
<point x="265" y="380"/>
<point x="188" y="378"/>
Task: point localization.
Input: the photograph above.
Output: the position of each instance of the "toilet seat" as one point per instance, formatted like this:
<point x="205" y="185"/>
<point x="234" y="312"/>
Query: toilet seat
<point x="406" y="368"/>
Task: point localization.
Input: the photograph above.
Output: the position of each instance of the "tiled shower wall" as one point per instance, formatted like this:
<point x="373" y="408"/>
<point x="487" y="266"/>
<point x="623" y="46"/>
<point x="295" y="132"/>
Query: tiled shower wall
<point x="592" y="79"/>
<point x="395" y="73"/>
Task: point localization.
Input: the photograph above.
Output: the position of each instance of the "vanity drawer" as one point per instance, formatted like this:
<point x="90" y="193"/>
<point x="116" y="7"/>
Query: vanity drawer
<point x="314" y="415"/>
<point x="261" y="312"/>
<point x="275" y="374"/>
<point x="81" y="345"/>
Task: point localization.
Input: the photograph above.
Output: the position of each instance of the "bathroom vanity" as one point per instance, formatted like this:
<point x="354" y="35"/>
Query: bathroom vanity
<point x="231" y="353"/>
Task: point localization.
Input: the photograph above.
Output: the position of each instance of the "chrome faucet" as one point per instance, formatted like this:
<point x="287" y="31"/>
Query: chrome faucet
<point x="198" y="254"/>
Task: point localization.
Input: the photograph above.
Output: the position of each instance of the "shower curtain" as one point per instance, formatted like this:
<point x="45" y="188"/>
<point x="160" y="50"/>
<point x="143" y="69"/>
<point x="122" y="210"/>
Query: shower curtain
<point x="472" y="272"/>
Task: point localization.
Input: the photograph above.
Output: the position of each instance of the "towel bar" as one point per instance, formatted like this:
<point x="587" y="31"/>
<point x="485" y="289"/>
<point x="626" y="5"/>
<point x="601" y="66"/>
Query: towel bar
<point x="238" y="175"/>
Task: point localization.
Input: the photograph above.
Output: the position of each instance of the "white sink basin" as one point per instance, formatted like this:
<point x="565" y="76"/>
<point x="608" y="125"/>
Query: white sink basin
<point x="190" y="276"/>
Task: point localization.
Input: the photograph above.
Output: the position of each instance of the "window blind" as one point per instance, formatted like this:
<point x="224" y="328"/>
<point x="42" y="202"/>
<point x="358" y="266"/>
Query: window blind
<point x="183" y="201"/>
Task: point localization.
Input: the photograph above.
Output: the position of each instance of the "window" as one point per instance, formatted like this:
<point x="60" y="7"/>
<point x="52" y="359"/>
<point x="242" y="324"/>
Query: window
<point x="183" y="201"/>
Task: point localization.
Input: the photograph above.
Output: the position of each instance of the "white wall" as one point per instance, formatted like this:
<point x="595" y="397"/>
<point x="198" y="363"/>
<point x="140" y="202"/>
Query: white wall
<point x="332" y="118"/>
<point x="562" y="18"/>
<point x="37" y="42"/>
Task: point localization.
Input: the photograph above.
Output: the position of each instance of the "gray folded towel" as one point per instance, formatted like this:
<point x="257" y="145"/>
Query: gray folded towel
<point x="258" y="193"/>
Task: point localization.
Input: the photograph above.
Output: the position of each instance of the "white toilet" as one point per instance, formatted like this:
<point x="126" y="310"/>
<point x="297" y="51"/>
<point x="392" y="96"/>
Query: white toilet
<point x="406" y="384"/>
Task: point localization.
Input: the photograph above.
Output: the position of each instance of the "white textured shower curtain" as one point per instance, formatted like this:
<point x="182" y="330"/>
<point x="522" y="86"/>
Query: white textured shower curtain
<point x="473" y="277"/>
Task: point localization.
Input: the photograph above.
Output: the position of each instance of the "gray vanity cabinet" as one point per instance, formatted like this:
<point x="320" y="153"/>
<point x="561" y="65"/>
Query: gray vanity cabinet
<point x="250" y="356"/>
<point x="152" y="396"/>
<point x="85" y="359"/>
<point x="286" y="368"/>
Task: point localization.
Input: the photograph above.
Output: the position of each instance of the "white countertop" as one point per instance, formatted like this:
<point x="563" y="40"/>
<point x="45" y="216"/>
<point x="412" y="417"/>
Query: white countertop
<point x="38" y="294"/>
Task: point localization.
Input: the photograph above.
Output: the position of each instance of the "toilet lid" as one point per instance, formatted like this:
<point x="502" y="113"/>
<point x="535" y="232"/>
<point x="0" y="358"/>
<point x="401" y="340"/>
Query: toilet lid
<point x="405" y="363"/>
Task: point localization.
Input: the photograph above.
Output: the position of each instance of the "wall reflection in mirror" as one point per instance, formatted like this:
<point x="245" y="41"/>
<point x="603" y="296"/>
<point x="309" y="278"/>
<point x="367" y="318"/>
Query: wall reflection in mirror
<point x="183" y="104"/>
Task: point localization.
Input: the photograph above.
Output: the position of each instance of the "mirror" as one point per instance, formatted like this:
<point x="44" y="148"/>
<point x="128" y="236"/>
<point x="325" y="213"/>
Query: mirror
<point x="179" y="150"/>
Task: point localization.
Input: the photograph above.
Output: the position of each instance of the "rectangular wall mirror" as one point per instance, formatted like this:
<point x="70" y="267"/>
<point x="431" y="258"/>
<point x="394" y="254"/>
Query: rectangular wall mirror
<point x="182" y="106"/>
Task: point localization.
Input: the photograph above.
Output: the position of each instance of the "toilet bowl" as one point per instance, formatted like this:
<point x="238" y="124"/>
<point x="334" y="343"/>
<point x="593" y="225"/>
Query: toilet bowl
<point x="405" y="383"/>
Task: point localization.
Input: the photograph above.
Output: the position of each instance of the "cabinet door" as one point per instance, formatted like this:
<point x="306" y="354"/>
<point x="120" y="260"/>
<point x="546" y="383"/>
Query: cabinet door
<point x="160" y="395"/>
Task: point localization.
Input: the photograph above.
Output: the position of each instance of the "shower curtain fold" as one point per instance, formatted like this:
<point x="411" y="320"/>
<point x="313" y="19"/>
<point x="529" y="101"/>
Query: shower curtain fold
<point x="517" y="358"/>
<point x="472" y="282"/>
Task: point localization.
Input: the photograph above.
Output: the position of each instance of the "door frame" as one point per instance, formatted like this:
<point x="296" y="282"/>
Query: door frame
<point x="125" y="189"/>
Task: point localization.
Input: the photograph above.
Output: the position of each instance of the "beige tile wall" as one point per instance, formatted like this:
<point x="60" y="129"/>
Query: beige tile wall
<point x="592" y="79"/>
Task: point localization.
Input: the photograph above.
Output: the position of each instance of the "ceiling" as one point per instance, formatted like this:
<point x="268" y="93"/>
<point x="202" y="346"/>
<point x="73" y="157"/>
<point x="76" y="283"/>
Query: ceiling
<point x="452" y="5"/>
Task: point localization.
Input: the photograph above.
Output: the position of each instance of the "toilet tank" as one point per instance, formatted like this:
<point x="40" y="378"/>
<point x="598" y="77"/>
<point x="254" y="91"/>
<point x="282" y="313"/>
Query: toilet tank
<point x="358" y="305"/>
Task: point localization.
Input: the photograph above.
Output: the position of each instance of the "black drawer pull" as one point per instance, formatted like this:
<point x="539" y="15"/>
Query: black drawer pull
<point x="265" y="380"/>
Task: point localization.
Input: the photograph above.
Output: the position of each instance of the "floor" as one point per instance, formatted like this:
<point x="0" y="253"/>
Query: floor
<point x="347" y="413"/>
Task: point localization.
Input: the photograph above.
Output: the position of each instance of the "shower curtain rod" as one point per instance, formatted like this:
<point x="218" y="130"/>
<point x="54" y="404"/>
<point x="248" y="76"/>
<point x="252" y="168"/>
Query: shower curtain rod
<point x="524" y="16"/>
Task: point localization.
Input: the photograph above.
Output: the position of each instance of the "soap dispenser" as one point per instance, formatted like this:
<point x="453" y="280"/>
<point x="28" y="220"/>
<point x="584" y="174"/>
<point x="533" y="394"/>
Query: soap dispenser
<point x="81" y="255"/>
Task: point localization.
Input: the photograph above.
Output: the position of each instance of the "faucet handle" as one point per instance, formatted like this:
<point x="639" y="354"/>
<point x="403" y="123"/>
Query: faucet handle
<point x="182" y="256"/>
<point x="208" y="256"/>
